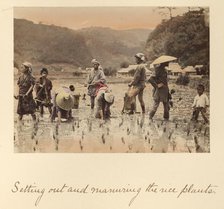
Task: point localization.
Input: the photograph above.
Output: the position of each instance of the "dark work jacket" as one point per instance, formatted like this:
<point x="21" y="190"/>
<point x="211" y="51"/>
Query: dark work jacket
<point x="45" y="91"/>
<point x="25" y="82"/>
<point x="160" y="76"/>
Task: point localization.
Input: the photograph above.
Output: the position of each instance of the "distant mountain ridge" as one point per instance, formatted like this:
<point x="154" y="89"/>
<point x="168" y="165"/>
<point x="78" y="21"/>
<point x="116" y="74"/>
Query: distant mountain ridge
<point x="49" y="44"/>
<point x="114" y="46"/>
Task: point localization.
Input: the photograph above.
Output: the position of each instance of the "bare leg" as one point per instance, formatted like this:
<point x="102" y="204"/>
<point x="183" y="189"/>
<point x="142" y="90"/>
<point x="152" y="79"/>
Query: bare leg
<point x="92" y="99"/>
<point x="140" y="98"/>
<point x="50" y="110"/>
<point x="59" y="117"/>
<point x="34" y="116"/>
<point x="41" y="110"/>
<point x="53" y="114"/>
<point x="195" y="114"/>
<point x="20" y="117"/>
<point x="203" y="115"/>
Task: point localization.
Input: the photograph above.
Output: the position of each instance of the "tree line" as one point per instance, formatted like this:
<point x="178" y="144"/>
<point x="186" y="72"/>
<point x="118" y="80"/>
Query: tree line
<point x="185" y="37"/>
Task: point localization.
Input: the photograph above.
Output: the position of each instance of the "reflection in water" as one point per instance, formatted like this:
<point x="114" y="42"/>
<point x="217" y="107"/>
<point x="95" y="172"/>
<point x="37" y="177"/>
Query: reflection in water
<point x="122" y="133"/>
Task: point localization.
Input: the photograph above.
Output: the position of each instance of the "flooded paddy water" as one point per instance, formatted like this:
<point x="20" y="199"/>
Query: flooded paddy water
<point x="121" y="134"/>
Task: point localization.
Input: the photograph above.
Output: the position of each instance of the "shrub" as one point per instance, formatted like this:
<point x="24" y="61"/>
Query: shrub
<point x="109" y="71"/>
<point x="124" y="64"/>
<point x="132" y="72"/>
<point x="77" y="73"/>
<point x="204" y="81"/>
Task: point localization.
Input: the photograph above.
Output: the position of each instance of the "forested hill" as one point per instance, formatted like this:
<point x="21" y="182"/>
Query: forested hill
<point x="185" y="37"/>
<point x="50" y="45"/>
<point x="45" y="44"/>
<point x="113" y="47"/>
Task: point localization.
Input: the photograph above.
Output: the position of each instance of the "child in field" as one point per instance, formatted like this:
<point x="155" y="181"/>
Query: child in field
<point x="200" y="104"/>
<point x="43" y="92"/>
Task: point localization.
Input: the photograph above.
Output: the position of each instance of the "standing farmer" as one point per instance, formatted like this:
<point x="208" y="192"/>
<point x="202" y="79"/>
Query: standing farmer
<point x="96" y="79"/>
<point x="138" y="82"/>
<point x="26" y="82"/>
<point x="159" y="81"/>
<point x="43" y="95"/>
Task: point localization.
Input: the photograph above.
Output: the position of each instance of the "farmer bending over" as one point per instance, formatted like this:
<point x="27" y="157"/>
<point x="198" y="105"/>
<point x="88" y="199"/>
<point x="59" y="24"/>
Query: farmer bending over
<point x="63" y="102"/>
<point x="104" y="99"/>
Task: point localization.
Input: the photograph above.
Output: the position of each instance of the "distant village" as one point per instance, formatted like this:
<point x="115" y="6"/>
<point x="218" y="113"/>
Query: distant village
<point x="174" y="69"/>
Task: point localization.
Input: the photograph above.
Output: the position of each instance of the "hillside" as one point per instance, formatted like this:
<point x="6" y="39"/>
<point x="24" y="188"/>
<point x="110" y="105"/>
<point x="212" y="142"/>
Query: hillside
<point x="45" y="44"/>
<point x="186" y="37"/>
<point x="112" y="47"/>
<point x="52" y="45"/>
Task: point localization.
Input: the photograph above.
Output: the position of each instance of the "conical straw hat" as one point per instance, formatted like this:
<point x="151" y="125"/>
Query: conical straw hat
<point x="65" y="101"/>
<point x="162" y="59"/>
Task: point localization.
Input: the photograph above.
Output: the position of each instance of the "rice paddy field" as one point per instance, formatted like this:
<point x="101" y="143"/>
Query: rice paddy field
<point x="123" y="133"/>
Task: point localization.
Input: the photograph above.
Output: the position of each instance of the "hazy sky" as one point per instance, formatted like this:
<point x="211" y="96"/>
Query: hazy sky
<point x="80" y="17"/>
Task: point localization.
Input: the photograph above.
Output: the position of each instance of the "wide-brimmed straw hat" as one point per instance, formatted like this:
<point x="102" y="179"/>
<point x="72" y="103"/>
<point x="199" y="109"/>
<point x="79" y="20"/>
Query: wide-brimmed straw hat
<point x="65" y="101"/>
<point x="163" y="59"/>
<point x="141" y="56"/>
<point x="109" y="97"/>
<point x="94" y="61"/>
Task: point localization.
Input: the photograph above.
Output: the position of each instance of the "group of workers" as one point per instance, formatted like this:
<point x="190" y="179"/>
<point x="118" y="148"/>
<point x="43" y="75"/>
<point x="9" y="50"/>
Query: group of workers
<point x="60" y="103"/>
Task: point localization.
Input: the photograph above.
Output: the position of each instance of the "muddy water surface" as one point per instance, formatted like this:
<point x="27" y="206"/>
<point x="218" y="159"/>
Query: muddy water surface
<point x="122" y="134"/>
